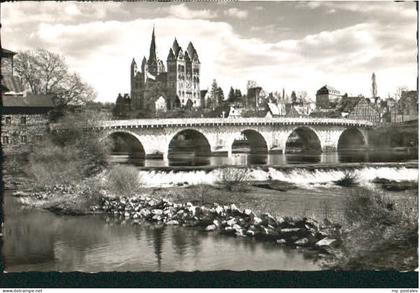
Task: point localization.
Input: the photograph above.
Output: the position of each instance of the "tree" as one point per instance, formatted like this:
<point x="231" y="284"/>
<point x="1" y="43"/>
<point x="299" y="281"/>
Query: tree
<point x="44" y="72"/>
<point x="294" y="97"/>
<point x="399" y="91"/>
<point x="302" y="97"/>
<point x="231" y="95"/>
<point x="251" y="84"/>
<point x="220" y="96"/>
<point x="214" y="95"/>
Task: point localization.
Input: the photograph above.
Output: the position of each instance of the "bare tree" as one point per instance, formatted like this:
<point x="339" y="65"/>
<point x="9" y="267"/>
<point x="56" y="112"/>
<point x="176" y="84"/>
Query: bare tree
<point x="251" y="84"/>
<point x="44" y="72"/>
<point x="398" y="92"/>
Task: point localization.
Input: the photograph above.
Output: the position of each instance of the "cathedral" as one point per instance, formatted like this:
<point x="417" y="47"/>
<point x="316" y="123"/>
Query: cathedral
<point x="178" y="84"/>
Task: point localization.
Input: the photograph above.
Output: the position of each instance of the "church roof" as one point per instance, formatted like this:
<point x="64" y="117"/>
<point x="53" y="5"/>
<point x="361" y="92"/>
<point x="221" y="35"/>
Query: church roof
<point x="187" y="58"/>
<point x="133" y="62"/>
<point x="171" y="55"/>
<point x="192" y="52"/>
<point x="176" y="48"/>
<point x="180" y="54"/>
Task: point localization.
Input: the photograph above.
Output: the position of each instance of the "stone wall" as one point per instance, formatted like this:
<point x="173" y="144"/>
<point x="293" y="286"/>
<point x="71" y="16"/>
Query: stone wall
<point x="21" y="131"/>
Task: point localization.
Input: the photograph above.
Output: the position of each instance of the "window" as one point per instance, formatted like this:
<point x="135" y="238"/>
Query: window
<point x="23" y="139"/>
<point x="5" y="139"/>
<point x="8" y="120"/>
<point x="23" y="120"/>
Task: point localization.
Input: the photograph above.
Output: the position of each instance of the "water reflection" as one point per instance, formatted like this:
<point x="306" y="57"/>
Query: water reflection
<point x="37" y="240"/>
<point x="247" y="159"/>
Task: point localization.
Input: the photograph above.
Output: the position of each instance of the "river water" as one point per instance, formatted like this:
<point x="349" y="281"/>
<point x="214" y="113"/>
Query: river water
<point x="38" y="240"/>
<point x="247" y="159"/>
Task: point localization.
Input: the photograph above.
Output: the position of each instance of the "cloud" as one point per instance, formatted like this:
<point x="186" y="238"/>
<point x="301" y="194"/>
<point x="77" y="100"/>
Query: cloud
<point x="101" y="48"/>
<point x="182" y="11"/>
<point x="235" y="12"/>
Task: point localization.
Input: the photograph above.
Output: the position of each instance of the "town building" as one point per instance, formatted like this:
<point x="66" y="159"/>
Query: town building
<point x="178" y="83"/>
<point x="409" y="105"/>
<point x="122" y="106"/>
<point x="24" y="116"/>
<point x="24" y="121"/>
<point x="359" y="108"/>
<point x="327" y="97"/>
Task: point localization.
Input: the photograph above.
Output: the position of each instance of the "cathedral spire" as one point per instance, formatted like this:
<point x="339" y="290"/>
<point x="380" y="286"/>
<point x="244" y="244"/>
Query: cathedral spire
<point x="152" y="53"/>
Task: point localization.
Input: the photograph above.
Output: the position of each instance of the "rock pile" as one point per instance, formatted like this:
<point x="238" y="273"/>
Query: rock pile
<point x="227" y="219"/>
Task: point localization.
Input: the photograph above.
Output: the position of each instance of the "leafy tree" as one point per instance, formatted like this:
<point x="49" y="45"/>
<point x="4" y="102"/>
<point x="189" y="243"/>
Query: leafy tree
<point x="294" y="97"/>
<point x="44" y="72"/>
<point x="220" y="96"/>
<point x="231" y="95"/>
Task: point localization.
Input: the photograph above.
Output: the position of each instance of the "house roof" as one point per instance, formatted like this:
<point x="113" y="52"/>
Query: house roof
<point x="326" y="89"/>
<point x="274" y="109"/>
<point x="348" y="103"/>
<point x="7" y="53"/>
<point x="30" y="101"/>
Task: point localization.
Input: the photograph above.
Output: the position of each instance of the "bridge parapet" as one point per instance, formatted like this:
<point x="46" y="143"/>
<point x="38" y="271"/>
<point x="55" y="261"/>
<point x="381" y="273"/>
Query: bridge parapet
<point x="252" y="121"/>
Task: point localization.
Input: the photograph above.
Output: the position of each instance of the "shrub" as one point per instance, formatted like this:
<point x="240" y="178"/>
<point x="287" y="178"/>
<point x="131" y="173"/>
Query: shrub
<point x="69" y="156"/>
<point x="379" y="233"/>
<point x="52" y="165"/>
<point x="231" y="177"/>
<point x="123" y="180"/>
<point x="349" y="180"/>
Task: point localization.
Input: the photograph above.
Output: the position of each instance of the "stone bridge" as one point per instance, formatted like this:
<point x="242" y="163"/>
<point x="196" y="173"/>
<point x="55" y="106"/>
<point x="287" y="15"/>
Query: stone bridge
<point x="156" y="135"/>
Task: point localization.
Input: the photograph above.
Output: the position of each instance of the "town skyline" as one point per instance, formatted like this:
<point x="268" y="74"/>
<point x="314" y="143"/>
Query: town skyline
<point x="236" y="42"/>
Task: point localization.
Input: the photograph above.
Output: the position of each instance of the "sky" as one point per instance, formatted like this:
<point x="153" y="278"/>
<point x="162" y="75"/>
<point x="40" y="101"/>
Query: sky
<point x="298" y="46"/>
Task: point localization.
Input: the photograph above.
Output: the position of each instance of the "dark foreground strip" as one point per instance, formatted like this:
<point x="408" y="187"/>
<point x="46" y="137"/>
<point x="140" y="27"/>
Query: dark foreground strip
<point x="268" y="279"/>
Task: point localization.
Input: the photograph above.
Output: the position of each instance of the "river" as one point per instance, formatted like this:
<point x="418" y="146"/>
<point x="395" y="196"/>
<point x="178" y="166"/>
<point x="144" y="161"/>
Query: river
<point x="38" y="240"/>
<point x="246" y="159"/>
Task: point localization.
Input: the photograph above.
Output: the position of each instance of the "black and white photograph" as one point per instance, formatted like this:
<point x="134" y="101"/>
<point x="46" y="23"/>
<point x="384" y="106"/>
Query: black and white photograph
<point x="209" y="136"/>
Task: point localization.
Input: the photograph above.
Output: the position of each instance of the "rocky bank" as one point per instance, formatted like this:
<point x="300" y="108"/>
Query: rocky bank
<point x="227" y="219"/>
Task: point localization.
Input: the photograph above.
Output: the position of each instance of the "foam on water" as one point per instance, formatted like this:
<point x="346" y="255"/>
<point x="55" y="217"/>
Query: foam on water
<point x="302" y="177"/>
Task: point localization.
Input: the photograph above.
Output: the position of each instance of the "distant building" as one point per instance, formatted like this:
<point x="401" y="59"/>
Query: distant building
<point x="254" y="100"/>
<point x="327" y="97"/>
<point x="360" y="108"/>
<point x="157" y="104"/>
<point x="409" y="105"/>
<point x="235" y="112"/>
<point x="122" y="105"/>
<point x="179" y="84"/>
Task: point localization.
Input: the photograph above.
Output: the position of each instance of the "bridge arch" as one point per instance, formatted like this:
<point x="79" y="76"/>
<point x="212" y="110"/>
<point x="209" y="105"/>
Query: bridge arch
<point x="351" y="138"/>
<point x="189" y="141"/>
<point x="249" y="140"/>
<point x="303" y="139"/>
<point x="125" y="142"/>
